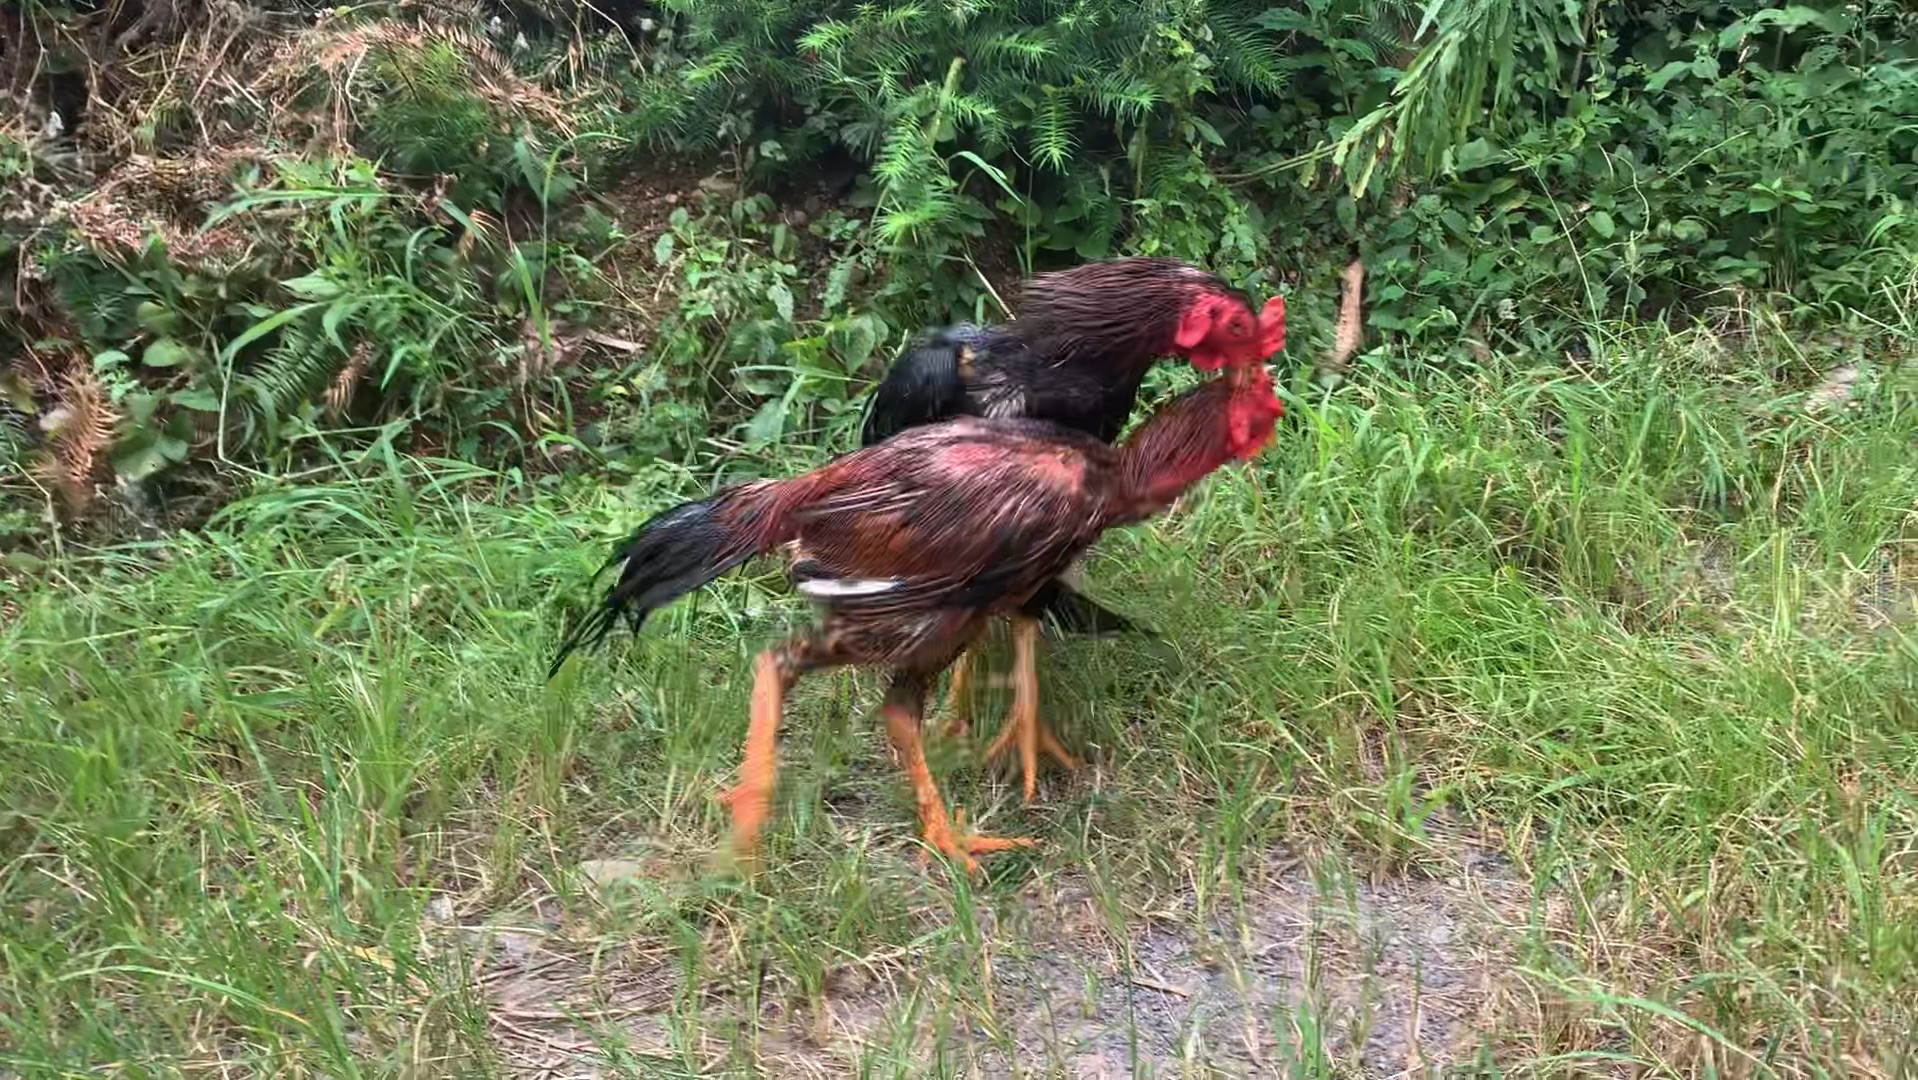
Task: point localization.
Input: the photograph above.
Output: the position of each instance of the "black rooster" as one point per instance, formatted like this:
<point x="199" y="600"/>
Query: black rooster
<point x="1075" y="356"/>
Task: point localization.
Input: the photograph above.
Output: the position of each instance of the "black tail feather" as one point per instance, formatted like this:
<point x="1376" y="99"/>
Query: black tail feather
<point x="923" y="386"/>
<point x="674" y="553"/>
<point x="1077" y="613"/>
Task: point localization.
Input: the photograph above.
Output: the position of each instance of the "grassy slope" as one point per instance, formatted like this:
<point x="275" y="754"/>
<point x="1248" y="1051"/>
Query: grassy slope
<point x="1628" y="631"/>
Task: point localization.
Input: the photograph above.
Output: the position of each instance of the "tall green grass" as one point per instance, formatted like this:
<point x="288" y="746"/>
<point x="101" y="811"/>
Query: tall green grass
<point x="1643" y="625"/>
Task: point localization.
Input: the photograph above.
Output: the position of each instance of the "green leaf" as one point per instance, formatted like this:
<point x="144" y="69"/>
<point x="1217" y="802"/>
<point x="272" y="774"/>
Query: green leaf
<point x="262" y="328"/>
<point x="110" y="359"/>
<point x="997" y="174"/>
<point x="782" y="298"/>
<point x="330" y="321"/>
<point x="311" y="287"/>
<point x="1602" y="224"/>
<point x="767" y="424"/>
<point x="1666" y="74"/>
<point x="166" y="352"/>
<point x="140" y="407"/>
<point x="1788" y="18"/>
<point x="196" y="399"/>
<point x="1346" y="210"/>
<point x="1285" y="20"/>
<point x="1476" y="155"/>
<point x="155" y="318"/>
<point x="143" y="455"/>
<point x="854" y="340"/>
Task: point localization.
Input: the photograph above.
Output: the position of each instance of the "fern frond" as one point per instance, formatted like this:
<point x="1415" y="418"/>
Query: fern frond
<point x="829" y="36"/>
<point x="900" y="19"/>
<point x="1052" y="129"/>
<point x="904" y="222"/>
<point x="84" y="427"/>
<point x="966" y="110"/>
<point x="906" y="158"/>
<point x="1248" y="56"/>
<point x="1024" y="49"/>
<point x="723" y="64"/>
<point x="339" y="395"/>
<point x="295" y="372"/>
<point x="1121" y="97"/>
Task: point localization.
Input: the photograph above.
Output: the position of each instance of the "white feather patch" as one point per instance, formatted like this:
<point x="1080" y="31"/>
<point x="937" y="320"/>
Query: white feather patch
<point x="829" y="588"/>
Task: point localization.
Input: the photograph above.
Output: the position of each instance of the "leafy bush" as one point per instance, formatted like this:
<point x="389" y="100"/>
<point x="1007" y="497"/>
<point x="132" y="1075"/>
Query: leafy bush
<point x="386" y="216"/>
<point x="1588" y="161"/>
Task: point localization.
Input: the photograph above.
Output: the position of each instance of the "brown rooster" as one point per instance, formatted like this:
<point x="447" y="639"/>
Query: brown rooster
<point x="1076" y="356"/>
<point x="912" y="546"/>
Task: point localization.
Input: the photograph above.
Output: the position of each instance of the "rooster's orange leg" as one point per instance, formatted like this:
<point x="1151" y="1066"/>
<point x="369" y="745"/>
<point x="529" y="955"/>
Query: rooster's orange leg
<point x="904" y="709"/>
<point x="1024" y="729"/>
<point x="959" y="696"/>
<point x="751" y="800"/>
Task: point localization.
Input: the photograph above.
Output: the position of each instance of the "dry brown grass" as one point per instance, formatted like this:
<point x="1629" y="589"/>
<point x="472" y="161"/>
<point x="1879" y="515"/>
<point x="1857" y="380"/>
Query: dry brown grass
<point x="339" y="394"/>
<point x="142" y="199"/>
<point x="319" y="78"/>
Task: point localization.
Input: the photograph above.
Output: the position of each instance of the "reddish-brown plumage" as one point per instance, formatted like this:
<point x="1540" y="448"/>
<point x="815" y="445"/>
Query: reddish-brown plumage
<point x="910" y="547"/>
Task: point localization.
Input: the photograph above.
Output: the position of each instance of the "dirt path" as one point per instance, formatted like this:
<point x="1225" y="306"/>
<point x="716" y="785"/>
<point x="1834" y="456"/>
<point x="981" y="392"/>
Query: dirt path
<point x="1395" y="977"/>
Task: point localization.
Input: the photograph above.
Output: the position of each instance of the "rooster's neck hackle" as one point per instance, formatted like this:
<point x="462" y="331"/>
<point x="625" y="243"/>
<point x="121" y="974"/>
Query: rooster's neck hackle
<point x="1120" y="312"/>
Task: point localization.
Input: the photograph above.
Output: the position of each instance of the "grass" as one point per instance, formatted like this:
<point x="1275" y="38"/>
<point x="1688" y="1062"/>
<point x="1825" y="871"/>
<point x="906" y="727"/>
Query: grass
<point x="1558" y="721"/>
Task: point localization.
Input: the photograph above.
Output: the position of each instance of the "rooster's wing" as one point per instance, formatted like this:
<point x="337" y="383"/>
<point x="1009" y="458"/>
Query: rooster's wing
<point x="966" y="515"/>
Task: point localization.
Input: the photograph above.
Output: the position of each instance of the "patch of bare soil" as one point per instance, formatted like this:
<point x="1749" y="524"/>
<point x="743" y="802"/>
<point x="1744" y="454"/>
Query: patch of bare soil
<point x="1395" y="976"/>
<point x="642" y="203"/>
<point x="1390" y="978"/>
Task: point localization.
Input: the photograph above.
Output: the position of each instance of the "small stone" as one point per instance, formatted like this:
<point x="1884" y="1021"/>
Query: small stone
<point x="604" y="872"/>
<point x="1837" y="390"/>
<point x="439" y="910"/>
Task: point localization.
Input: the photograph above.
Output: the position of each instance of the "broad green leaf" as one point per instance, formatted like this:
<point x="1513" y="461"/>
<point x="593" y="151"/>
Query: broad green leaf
<point x="1602" y="224"/>
<point x="197" y="400"/>
<point x="145" y="454"/>
<point x="1476" y="155"/>
<point x="166" y="352"/>
<point x="155" y="318"/>
<point x="140" y="406"/>
<point x="782" y="299"/>
<point x="311" y="287"/>
<point x="1665" y="75"/>
<point x="330" y="321"/>
<point x="854" y="341"/>
<point x="767" y="424"/>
